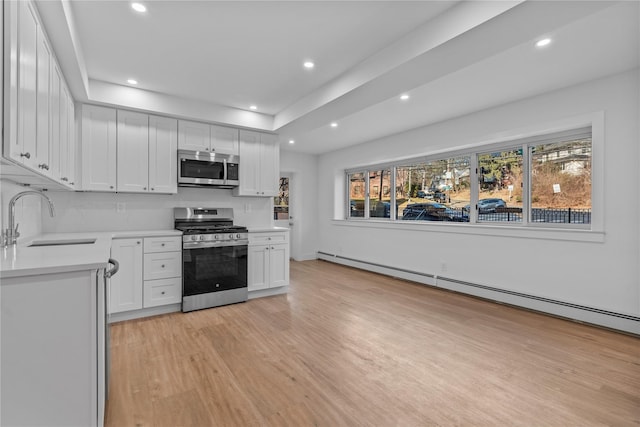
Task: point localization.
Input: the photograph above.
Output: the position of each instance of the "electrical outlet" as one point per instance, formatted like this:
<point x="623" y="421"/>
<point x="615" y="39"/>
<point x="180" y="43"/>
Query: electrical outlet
<point x="121" y="207"/>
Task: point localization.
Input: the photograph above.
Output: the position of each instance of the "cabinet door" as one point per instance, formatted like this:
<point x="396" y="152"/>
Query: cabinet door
<point x="258" y="265"/>
<point x="278" y="265"/>
<point x="24" y="148"/>
<point x="269" y="165"/>
<point x="133" y="152"/>
<point x="66" y="146"/>
<point x="249" y="173"/>
<point x="126" y="285"/>
<point x="56" y="120"/>
<point x="163" y="155"/>
<point x="224" y="140"/>
<point x="193" y="136"/>
<point x="69" y="168"/>
<point x="43" y="104"/>
<point x="98" y="148"/>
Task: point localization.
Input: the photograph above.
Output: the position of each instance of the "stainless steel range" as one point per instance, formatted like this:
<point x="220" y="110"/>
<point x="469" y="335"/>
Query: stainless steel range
<point x="214" y="257"/>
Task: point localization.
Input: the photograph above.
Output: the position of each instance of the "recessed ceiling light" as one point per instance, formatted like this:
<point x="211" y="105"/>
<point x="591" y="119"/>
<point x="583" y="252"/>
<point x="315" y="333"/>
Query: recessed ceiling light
<point x="132" y="82"/>
<point x="543" y="42"/>
<point x="253" y="107"/>
<point x="138" y="7"/>
<point x="291" y="141"/>
<point x="309" y="64"/>
<point x="404" y="97"/>
<point x="334" y="125"/>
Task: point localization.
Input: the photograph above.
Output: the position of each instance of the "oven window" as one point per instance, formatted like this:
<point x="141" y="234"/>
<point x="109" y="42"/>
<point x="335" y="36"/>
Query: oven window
<point x="214" y="269"/>
<point x="201" y="169"/>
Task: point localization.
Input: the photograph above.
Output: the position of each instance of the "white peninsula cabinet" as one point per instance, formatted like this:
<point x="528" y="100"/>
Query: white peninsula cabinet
<point x="268" y="263"/>
<point x="259" y="164"/>
<point x="198" y="136"/>
<point x="53" y="349"/>
<point x="150" y="278"/>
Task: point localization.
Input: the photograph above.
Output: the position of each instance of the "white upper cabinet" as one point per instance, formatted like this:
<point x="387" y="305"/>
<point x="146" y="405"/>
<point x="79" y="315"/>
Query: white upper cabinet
<point x="204" y="137"/>
<point x="193" y="136"/>
<point x="23" y="83"/>
<point x="98" y="147"/>
<point x="43" y="104"/>
<point x="259" y="164"/>
<point x="39" y="121"/>
<point x="163" y="155"/>
<point x="133" y="152"/>
<point x="224" y="140"/>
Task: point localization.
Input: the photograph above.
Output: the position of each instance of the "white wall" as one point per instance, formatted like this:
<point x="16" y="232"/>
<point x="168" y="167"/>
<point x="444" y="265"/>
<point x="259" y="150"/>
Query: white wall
<point x="92" y="211"/>
<point x="28" y="209"/>
<point x="601" y="275"/>
<point x="304" y="202"/>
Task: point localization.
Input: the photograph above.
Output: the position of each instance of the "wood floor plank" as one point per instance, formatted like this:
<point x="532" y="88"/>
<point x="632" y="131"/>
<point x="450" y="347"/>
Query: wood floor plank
<point x="347" y="347"/>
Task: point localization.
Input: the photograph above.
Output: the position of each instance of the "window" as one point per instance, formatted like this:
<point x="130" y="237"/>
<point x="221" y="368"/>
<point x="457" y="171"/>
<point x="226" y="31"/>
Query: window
<point x="500" y="182"/>
<point x="561" y="184"/>
<point x="379" y="203"/>
<point x="543" y="179"/>
<point x="356" y="194"/>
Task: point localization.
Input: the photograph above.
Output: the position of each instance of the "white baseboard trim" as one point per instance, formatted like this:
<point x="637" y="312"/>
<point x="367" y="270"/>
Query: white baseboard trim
<point x="268" y="292"/>
<point x="414" y="276"/>
<point x="145" y="312"/>
<point x="609" y="319"/>
<point x="306" y="257"/>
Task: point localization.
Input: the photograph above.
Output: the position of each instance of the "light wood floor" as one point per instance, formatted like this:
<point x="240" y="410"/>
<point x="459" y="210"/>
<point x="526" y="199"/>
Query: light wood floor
<point x="351" y="348"/>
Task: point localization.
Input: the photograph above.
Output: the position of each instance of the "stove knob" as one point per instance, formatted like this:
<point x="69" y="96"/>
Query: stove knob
<point x="194" y="237"/>
<point x="201" y="237"/>
<point x="216" y="237"/>
<point x="230" y="236"/>
<point x="238" y="236"/>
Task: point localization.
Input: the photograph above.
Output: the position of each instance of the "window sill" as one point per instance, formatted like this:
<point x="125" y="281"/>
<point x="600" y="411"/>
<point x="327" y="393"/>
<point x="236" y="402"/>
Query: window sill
<point x="537" y="232"/>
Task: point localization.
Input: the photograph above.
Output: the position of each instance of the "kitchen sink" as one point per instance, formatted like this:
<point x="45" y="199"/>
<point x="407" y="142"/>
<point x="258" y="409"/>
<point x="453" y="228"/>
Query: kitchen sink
<point x="62" y="242"/>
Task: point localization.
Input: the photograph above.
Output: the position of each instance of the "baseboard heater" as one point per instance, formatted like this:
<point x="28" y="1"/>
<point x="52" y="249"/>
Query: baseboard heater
<point x="610" y="319"/>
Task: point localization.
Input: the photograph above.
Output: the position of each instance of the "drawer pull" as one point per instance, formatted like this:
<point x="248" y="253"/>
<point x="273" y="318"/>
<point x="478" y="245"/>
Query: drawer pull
<point x="163" y="244"/>
<point x="162" y="265"/>
<point x="162" y="292"/>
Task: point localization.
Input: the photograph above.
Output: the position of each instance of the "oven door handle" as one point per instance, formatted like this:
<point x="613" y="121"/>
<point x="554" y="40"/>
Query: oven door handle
<point x="202" y="245"/>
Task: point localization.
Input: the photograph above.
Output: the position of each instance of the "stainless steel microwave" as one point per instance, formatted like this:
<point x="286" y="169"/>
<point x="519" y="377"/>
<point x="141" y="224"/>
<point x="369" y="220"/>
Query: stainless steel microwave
<point x="205" y="169"/>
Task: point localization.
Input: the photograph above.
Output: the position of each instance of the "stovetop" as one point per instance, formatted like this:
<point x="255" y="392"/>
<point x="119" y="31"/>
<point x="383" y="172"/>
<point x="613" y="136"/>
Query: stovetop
<point x="210" y="229"/>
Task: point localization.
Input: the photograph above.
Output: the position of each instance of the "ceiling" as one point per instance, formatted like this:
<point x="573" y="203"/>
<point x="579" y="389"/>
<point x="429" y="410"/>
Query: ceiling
<point x="211" y="60"/>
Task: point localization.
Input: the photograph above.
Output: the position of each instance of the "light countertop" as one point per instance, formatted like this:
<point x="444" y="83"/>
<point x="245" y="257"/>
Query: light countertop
<point x="23" y="260"/>
<point x="265" y="229"/>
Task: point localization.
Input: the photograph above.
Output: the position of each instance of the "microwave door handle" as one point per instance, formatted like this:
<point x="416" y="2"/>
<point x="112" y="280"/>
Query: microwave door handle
<point x="224" y="163"/>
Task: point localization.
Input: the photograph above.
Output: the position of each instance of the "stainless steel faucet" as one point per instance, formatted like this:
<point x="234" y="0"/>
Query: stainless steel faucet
<point x="11" y="235"/>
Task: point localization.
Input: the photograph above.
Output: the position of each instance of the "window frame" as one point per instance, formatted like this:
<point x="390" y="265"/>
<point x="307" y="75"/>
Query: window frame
<point x="576" y="128"/>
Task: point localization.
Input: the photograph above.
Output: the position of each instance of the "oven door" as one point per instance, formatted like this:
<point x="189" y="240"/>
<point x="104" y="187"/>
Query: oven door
<point x="217" y="269"/>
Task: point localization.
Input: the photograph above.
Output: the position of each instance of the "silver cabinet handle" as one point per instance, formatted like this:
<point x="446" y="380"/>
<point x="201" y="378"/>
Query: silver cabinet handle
<point x="144" y="188"/>
<point x="152" y="189"/>
<point x="64" y="178"/>
<point x="111" y="186"/>
<point x="162" y="266"/>
<point x="163" y="244"/>
<point x="138" y="242"/>
<point x="27" y="155"/>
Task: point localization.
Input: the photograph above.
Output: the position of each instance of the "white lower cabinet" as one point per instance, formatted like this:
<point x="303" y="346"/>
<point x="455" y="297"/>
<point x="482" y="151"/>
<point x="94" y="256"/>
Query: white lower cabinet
<point x="268" y="259"/>
<point x="125" y="288"/>
<point x="150" y="273"/>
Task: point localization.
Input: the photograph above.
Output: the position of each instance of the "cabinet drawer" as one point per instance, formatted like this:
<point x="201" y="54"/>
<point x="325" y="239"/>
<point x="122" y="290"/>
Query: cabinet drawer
<point x="162" y="244"/>
<point x="162" y="265"/>
<point x="267" y="238"/>
<point x="162" y="292"/>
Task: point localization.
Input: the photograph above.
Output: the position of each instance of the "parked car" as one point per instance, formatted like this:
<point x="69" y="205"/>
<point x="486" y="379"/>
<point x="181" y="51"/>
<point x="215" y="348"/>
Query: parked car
<point x="488" y="205"/>
<point x="379" y="209"/>
<point x="432" y="211"/>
